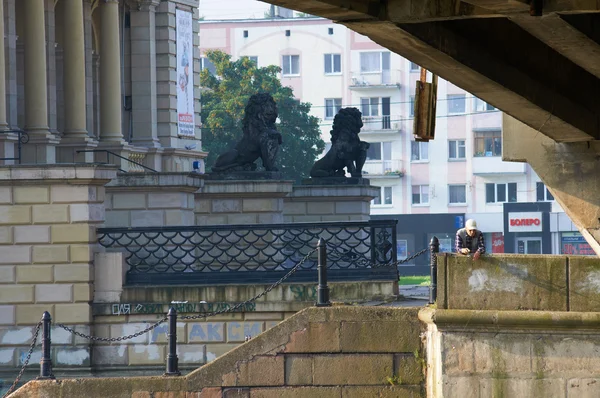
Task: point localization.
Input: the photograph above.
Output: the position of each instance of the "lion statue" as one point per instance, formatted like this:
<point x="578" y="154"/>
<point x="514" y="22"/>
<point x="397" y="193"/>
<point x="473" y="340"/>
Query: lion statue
<point x="260" y="139"/>
<point x="347" y="150"/>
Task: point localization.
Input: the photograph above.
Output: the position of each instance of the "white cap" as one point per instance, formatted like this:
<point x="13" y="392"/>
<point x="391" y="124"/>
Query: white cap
<point x="470" y="224"/>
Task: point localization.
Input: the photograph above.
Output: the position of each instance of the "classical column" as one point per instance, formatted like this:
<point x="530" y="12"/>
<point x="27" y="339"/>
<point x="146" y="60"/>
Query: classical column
<point x="75" y="136"/>
<point x="7" y="141"/>
<point x="3" y="122"/>
<point x="40" y="148"/>
<point x="110" y="73"/>
<point x="36" y="108"/>
<point x="74" y="69"/>
<point x="143" y="76"/>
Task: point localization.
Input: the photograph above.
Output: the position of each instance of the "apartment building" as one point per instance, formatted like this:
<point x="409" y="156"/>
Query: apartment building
<point x="430" y="187"/>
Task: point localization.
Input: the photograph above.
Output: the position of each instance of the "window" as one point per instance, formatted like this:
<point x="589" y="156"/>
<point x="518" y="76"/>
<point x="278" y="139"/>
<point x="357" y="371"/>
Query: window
<point x="332" y="107"/>
<point x="288" y="33"/>
<point x="420" y="194"/>
<point x="412" y="106"/>
<point x="206" y="64"/>
<point x="457" y="194"/>
<point x="456" y="103"/>
<point x="333" y="64"/>
<point x="414" y="67"/>
<point x="500" y="193"/>
<point x="369" y="106"/>
<point x="419" y="151"/>
<point x="245" y="33"/>
<point x="456" y="149"/>
<point x="379" y="151"/>
<point x="291" y="65"/>
<point x="384" y="197"/>
<point x="370" y="62"/>
<point x="482" y="106"/>
<point x="487" y="143"/>
<point x="542" y="193"/>
<point x="254" y="59"/>
<point x="330" y="31"/>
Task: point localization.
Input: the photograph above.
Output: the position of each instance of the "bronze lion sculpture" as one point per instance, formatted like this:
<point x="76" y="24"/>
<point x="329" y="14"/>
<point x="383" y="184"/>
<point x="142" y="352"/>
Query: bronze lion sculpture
<point x="347" y="150"/>
<point x="260" y="139"/>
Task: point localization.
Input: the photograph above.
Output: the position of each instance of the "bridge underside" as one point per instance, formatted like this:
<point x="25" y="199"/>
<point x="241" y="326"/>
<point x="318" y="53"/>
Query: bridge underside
<point x="543" y="71"/>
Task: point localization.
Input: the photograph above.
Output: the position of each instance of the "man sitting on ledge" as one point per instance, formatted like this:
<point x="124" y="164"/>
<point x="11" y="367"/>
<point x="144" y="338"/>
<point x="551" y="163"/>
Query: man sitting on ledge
<point x="470" y="240"/>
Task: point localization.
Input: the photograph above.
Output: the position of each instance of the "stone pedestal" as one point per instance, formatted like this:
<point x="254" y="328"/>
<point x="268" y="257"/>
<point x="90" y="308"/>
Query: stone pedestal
<point x="151" y="199"/>
<point x="330" y="199"/>
<point x="222" y="202"/>
<point x="66" y="152"/>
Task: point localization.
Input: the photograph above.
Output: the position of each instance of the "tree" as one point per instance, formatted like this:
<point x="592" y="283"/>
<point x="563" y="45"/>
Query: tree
<point x="223" y="100"/>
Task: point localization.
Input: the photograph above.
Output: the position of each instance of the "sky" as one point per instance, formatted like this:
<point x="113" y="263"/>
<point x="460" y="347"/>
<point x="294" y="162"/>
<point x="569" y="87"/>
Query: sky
<point x="232" y="9"/>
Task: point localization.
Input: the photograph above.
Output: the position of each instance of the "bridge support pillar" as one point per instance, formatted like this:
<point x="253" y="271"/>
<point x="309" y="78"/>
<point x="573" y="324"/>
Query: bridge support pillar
<point x="571" y="172"/>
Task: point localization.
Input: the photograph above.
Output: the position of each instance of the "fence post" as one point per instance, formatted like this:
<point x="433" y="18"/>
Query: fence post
<point x="434" y="249"/>
<point x="322" y="289"/>
<point x="172" y="361"/>
<point x="46" y="361"/>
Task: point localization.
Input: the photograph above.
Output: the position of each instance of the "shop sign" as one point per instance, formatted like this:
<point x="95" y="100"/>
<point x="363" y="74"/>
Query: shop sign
<point x="525" y="222"/>
<point x="574" y="243"/>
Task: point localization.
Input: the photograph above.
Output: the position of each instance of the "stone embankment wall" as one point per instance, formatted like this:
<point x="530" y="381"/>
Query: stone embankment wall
<point x="516" y="354"/>
<point x="318" y="352"/>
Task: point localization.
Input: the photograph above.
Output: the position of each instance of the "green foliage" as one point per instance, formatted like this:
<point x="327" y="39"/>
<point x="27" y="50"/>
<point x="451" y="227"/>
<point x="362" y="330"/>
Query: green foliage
<point x="394" y="380"/>
<point x="223" y="102"/>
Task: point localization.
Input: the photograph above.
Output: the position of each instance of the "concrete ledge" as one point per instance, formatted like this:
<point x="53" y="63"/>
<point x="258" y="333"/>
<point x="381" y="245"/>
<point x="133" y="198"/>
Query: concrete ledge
<point x="73" y="174"/>
<point x="322" y="192"/>
<point x="182" y="182"/>
<point x="496" y="320"/>
<point x="248" y="188"/>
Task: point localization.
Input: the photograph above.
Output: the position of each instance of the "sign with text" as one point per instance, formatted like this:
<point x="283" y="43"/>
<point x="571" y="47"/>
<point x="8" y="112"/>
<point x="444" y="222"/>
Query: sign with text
<point x="185" y="74"/>
<point x="575" y="243"/>
<point x="525" y="221"/>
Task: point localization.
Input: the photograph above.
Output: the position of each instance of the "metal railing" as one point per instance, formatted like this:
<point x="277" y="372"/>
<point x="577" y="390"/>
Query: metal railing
<point x="382" y="124"/>
<point x="22" y="138"/>
<point x="109" y="154"/>
<point x="392" y="167"/>
<point x="253" y="253"/>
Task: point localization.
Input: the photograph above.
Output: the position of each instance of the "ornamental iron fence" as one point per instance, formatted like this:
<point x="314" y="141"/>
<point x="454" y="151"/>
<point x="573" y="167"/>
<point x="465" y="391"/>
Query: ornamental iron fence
<point x="253" y="253"/>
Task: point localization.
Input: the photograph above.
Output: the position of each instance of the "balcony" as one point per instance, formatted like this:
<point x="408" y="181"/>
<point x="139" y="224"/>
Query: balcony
<point x="382" y="124"/>
<point x="383" y="169"/>
<point x="383" y="79"/>
<point x="485" y="165"/>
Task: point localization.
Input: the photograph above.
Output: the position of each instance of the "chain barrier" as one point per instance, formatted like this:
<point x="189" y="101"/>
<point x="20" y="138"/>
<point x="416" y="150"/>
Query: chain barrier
<point x="112" y="339"/>
<point x="35" y="336"/>
<point x="267" y="290"/>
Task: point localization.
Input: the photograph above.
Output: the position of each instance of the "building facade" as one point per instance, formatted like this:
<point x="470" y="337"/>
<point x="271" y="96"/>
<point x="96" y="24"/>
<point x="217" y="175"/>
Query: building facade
<point x="100" y="75"/>
<point x="430" y="187"/>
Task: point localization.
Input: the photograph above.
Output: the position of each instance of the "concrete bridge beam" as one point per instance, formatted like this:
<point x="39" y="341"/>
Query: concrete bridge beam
<point x="571" y="172"/>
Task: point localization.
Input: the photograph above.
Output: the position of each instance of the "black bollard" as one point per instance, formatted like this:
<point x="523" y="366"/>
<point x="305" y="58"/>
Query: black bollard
<point x="434" y="248"/>
<point x="172" y="361"/>
<point x="46" y="361"/>
<point x="322" y="289"/>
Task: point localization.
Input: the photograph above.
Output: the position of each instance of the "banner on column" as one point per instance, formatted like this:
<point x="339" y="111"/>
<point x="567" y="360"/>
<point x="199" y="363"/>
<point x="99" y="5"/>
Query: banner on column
<point x="185" y="74"/>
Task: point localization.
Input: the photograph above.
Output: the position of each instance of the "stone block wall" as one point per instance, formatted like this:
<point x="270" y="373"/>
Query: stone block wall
<point x="202" y="340"/>
<point x="319" y="352"/>
<point x="314" y="203"/>
<point x="48" y="217"/>
<point x="151" y="200"/>
<point x="517" y="354"/>
<point x="223" y="202"/>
